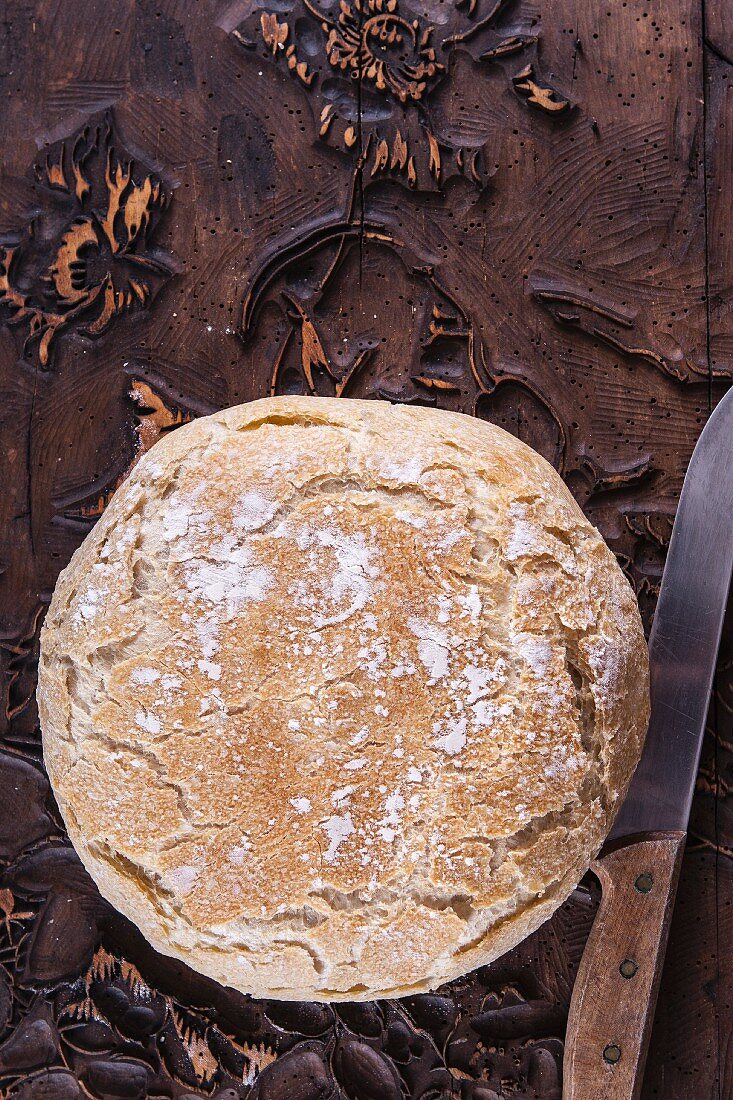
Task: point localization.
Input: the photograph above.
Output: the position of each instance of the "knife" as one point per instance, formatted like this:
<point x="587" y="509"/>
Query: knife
<point x="615" y="992"/>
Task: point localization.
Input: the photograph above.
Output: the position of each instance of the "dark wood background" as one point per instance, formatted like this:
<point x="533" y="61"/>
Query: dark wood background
<point x="516" y="209"/>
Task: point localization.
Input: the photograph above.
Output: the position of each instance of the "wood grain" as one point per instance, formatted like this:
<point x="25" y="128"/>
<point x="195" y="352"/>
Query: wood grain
<point x="719" y="144"/>
<point x="719" y="30"/>
<point x="502" y="208"/>
<point x="616" y="988"/>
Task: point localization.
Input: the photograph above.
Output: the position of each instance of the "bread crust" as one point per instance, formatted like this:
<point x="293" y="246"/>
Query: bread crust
<point x="339" y="698"/>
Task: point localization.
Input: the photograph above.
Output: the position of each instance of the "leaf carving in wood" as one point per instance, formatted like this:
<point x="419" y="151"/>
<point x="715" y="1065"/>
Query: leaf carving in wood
<point x="613" y="325"/>
<point x="640" y="545"/>
<point x="539" y="94"/>
<point x="19" y="718"/>
<point x="89" y="257"/>
<point x="322" y="344"/>
<point x="153" y="415"/>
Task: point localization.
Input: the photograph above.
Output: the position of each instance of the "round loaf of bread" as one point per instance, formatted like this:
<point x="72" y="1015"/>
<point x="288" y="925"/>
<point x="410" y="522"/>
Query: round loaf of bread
<point x="339" y="698"/>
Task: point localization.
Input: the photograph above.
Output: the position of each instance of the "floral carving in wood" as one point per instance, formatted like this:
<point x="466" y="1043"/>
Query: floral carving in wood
<point x="88" y="256"/>
<point x="371" y="41"/>
<point x="378" y="75"/>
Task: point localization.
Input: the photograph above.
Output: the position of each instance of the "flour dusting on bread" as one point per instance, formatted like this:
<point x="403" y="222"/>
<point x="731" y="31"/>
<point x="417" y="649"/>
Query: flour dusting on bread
<point x="339" y="698"/>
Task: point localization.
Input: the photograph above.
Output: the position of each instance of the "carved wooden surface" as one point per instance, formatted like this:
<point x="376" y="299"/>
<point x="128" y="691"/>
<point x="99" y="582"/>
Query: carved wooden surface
<point x="498" y="206"/>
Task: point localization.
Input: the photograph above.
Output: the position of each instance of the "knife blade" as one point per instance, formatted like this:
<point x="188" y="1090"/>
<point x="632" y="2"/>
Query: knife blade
<point x="685" y="636"/>
<point x="615" y="991"/>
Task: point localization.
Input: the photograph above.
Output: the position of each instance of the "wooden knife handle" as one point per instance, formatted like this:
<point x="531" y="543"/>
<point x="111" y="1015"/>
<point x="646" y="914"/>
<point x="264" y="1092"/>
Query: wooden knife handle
<point x="613" y="1001"/>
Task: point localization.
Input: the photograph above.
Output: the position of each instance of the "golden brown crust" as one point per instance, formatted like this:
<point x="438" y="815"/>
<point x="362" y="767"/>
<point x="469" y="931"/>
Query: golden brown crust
<point x="339" y="698"/>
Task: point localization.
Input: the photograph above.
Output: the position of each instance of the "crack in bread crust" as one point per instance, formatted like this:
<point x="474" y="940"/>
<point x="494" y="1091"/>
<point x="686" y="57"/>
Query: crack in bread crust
<point x="329" y="719"/>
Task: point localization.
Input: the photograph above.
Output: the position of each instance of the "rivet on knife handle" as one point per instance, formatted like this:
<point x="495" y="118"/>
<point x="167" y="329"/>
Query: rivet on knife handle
<point x="616" y="988"/>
